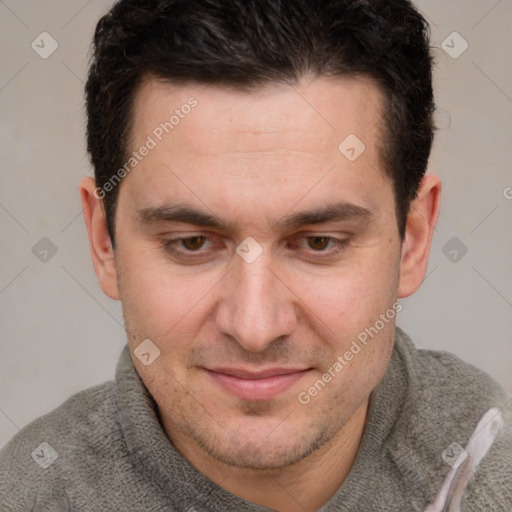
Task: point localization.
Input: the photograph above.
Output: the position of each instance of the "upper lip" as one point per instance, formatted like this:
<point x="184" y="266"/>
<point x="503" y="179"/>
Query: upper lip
<point x="260" y="374"/>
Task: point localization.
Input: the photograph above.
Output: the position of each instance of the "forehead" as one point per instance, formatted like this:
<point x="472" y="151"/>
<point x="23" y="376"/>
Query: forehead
<point x="232" y="148"/>
<point x="321" y="111"/>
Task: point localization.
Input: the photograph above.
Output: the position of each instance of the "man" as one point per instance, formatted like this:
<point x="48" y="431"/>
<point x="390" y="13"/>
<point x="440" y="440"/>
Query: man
<point x="259" y="207"/>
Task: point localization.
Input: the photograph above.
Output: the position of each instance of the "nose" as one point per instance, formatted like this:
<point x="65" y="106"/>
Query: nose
<point x="256" y="307"/>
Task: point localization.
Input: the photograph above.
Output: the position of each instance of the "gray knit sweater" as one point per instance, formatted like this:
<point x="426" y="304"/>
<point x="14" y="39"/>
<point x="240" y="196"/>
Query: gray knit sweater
<point x="104" y="449"/>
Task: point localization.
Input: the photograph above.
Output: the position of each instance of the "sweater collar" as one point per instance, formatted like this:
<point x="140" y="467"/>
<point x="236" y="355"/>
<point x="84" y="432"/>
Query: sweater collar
<point x="395" y="423"/>
<point x="388" y="434"/>
<point x="155" y="455"/>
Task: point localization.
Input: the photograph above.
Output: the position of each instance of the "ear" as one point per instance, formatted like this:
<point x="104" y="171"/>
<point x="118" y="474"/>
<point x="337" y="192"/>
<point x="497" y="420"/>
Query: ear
<point x="102" y="252"/>
<point x="420" y="227"/>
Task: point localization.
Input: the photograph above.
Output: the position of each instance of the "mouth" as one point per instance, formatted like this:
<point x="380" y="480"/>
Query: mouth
<point x="252" y="385"/>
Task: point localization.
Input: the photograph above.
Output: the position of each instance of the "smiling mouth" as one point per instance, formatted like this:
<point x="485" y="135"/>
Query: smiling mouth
<point x="261" y="385"/>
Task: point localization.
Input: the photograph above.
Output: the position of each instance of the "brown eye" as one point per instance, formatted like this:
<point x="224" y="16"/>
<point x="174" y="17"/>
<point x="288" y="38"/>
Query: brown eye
<point x="318" y="243"/>
<point x="193" y="243"/>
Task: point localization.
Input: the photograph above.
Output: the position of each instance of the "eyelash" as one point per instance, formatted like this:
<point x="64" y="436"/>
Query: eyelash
<point x="170" y="246"/>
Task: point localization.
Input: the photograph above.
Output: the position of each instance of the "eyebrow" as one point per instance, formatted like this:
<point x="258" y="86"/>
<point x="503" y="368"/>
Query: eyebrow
<point x="185" y="214"/>
<point x="342" y="211"/>
<point x="330" y="213"/>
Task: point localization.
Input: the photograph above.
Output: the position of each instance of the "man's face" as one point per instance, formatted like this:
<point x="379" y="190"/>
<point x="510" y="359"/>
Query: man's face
<point x="243" y="336"/>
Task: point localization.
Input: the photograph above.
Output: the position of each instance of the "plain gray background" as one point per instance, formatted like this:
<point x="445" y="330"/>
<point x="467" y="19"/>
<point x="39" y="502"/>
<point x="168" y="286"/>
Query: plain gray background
<point x="60" y="334"/>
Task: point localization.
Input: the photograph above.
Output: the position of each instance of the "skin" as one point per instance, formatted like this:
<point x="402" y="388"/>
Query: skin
<point x="253" y="159"/>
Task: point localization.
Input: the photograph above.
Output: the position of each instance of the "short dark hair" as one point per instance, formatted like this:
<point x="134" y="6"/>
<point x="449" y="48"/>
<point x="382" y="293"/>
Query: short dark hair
<point x="250" y="43"/>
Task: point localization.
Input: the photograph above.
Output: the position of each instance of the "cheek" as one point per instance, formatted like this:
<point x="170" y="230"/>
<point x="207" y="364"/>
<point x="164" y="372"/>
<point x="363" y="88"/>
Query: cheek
<point x="147" y="300"/>
<point x="353" y="296"/>
<point x="158" y="303"/>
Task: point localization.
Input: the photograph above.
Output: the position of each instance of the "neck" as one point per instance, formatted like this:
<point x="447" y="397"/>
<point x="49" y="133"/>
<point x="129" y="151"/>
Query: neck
<point x="305" y="485"/>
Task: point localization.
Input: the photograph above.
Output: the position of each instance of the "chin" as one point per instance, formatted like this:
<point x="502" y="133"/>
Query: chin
<point x="261" y="451"/>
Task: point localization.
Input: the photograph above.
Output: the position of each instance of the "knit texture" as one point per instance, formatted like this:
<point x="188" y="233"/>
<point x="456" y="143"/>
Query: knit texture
<point x="113" y="455"/>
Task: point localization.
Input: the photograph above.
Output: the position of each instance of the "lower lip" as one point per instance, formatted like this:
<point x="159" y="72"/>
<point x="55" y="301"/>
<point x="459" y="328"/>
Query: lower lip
<point x="257" y="389"/>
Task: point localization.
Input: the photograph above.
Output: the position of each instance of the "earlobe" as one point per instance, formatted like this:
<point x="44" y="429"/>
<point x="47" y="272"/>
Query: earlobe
<point x="421" y="224"/>
<point x="102" y="252"/>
